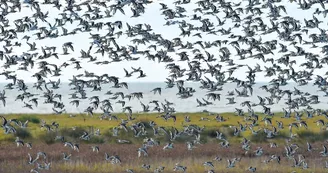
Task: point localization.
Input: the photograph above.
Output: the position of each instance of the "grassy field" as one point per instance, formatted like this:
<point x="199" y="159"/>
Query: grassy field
<point x="14" y="159"/>
<point x="85" y="123"/>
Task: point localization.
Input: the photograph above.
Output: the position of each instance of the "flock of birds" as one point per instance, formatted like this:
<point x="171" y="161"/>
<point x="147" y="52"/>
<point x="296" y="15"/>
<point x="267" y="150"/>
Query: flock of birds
<point x="254" y="18"/>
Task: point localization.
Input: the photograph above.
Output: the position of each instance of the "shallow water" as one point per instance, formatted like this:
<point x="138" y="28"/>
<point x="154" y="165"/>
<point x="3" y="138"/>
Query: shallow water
<point x="181" y="105"/>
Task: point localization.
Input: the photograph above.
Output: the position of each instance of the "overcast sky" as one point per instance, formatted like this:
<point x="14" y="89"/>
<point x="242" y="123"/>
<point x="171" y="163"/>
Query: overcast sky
<point x="156" y="72"/>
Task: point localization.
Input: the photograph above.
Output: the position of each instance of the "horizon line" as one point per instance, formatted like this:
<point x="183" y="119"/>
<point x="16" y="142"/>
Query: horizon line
<point x="64" y="82"/>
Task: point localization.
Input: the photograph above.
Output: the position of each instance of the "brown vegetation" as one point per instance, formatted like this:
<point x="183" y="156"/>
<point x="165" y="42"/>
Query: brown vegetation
<point x="15" y="159"/>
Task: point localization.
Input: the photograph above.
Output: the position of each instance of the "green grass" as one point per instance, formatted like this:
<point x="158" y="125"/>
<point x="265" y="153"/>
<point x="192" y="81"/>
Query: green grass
<point x="85" y="123"/>
<point x="31" y="118"/>
<point x="86" y="161"/>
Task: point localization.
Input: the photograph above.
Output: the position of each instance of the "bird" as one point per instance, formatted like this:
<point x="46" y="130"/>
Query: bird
<point x="258" y="60"/>
<point x="66" y="157"/>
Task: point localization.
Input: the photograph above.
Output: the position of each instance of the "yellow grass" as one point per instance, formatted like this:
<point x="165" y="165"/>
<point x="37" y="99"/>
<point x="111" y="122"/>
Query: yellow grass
<point x="88" y="162"/>
<point x="84" y="121"/>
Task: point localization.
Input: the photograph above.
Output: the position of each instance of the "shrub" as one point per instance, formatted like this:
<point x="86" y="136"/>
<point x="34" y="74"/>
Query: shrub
<point x="48" y="137"/>
<point x="261" y="136"/>
<point x="228" y="132"/>
<point x="96" y="140"/>
<point x="76" y="133"/>
<point x="312" y="136"/>
<point x="210" y="133"/>
<point x="30" y="118"/>
<point x="22" y="133"/>
<point x="108" y="133"/>
<point x="146" y="123"/>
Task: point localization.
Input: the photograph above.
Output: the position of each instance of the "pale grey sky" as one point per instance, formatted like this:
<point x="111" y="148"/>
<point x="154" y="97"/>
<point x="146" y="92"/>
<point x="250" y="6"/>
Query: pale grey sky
<point x="156" y="72"/>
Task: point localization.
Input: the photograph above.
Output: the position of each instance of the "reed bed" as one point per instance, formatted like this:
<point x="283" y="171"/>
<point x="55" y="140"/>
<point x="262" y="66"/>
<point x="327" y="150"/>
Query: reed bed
<point x="15" y="159"/>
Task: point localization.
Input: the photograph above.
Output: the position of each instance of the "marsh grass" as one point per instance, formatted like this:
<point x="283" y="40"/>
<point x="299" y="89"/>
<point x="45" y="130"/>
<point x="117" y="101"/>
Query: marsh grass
<point x="85" y="123"/>
<point x="261" y="137"/>
<point x="313" y="136"/>
<point x="88" y="162"/>
<point x="31" y="118"/>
